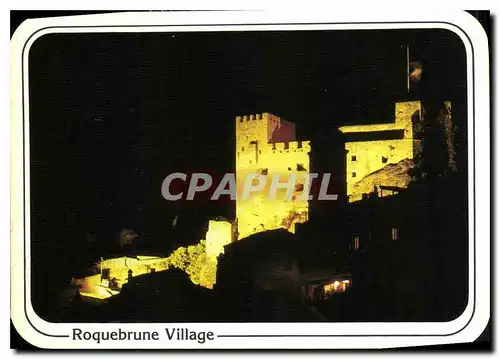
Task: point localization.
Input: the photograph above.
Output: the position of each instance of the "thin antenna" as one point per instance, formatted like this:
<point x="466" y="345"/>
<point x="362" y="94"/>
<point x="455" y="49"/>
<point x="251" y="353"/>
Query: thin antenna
<point x="408" y="68"/>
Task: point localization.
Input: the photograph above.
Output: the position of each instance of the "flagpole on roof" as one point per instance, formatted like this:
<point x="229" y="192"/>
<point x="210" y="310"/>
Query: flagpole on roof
<point x="408" y="68"/>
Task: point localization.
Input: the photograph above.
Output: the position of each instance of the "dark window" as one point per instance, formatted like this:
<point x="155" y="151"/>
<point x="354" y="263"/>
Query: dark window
<point x="384" y="159"/>
<point x="242" y="148"/>
<point x="353" y="158"/>
<point x="105" y="273"/>
<point x="354" y="174"/>
<point x="289" y="168"/>
<point x="264" y="172"/>
<point x="299" y="187"/>
<point x="300" y="167"/>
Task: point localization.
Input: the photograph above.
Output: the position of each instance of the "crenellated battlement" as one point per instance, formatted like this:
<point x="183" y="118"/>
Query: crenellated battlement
<point x="299" y="146"/>
<point x="279" y="146"/>
<point x="247" y="118"/>
<point x="258" y="116"/>
<point x="292" y="146"/>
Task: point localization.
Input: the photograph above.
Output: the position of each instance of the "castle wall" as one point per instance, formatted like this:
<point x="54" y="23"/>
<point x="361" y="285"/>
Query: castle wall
<point x="255" y="155"/>
<point x="119" y="267"/>
<point x="218" y="235"/>
<point x="372" y="156"/>
<point x="88" y="284"/>
<point x="366" y="157"/>
<point x="405" y="114"/>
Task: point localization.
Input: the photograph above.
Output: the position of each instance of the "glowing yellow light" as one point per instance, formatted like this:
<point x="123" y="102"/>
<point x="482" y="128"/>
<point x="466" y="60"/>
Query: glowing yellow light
<point x="328" y="288"/>
<point x="255" y="154"/>
<point x="218" y="235"/>
<point x="336" y="287"/>
<point x="367" y="157"/>
<point x="116" y="269"/>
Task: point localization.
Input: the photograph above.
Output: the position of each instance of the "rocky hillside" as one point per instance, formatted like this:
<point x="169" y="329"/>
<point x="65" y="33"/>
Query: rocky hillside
<point x="393" y="174"/>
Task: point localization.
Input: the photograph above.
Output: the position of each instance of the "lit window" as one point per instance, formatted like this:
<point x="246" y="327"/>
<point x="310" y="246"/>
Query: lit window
<point x="336" y="287"/>
<point x="353" y="158"/>
<point x="354" y="174"/>
<point x="384" y="159"/>
<point x="394" y="234"/>
<point x="356" y="242"/>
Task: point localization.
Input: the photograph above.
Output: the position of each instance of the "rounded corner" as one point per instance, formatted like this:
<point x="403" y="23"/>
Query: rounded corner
<point x="481" y="328"/>
<point x="27" y="34"/>
<point x="23" y="33"/>
<point x="462" y="313"/>
<point x="25" y="330"/>
<point x="36" y="312"/>
<point x="466" y="320"/>
<point x="472" y="29"/>
<point x="477" y="25"/>
<point x="476" y="324"/>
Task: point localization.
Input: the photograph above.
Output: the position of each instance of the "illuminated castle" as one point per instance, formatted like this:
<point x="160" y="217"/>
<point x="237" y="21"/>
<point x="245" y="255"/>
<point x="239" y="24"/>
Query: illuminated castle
<point x="373" y="147"/>
<point x="265" y="145"/>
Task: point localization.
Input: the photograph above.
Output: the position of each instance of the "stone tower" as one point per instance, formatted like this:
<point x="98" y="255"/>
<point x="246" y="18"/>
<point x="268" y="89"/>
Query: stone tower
<point x="266" y="146"/>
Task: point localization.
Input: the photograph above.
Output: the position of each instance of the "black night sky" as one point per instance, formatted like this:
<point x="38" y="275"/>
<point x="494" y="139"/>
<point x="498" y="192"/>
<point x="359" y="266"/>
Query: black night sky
<point x="112" y="114"/>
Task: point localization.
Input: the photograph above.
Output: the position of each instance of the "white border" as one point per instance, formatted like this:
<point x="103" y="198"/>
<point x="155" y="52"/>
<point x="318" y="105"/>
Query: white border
<point x="467" y="327"/>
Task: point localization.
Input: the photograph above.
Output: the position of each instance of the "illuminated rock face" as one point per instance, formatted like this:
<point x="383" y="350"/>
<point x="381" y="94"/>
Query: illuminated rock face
<point x="266" y="146"/>
<point x="394" y="174"/>
<point x="218" y="235"/>
<point x="366" y="157"/>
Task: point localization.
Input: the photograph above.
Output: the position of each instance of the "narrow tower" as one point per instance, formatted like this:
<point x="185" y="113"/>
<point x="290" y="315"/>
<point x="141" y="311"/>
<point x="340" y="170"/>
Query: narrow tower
<point x="266" y="146"/>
